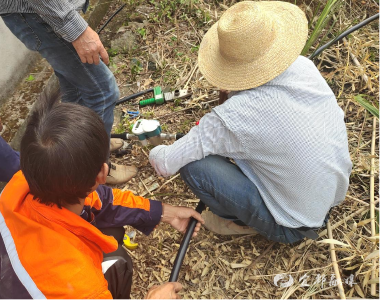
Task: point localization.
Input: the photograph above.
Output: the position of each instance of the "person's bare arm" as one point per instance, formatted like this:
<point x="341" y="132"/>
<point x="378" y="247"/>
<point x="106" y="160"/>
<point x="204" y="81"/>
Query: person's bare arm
<point x="89" y="47"/>
<point x="179" y="217"/>
<point x="168" y="290"/>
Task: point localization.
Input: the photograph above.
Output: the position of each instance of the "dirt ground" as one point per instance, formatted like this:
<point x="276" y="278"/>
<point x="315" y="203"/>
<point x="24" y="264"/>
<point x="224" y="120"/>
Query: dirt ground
<point x="163" y="51"/>
<point x="155" y="43"/>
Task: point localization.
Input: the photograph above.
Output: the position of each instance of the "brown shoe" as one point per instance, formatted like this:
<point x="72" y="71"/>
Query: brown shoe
<point x="222" y="226"/>
<point x="120" y="174"/>
<point x="116" y="144"/>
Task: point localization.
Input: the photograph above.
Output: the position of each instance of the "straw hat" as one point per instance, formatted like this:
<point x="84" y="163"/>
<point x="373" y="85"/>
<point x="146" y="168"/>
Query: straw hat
<point x="252" y="43"/>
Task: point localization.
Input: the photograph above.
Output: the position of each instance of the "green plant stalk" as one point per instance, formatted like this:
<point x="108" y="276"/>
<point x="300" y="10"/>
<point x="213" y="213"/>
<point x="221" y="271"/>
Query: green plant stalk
<point x="368" y="106"/>
<point x="321" y="24"/>
<point x="325" y="36"/>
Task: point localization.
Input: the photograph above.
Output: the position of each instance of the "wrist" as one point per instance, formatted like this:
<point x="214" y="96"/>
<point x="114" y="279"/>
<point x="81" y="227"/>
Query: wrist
<point x="165" y="216"/>
<point x="74" y="27"/>
<point x="162" y="212"/>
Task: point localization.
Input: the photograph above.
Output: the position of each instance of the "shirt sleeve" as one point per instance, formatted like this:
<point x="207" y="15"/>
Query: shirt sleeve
<point x="209" y="137"/>
<point x="115" y="208"/>
<point x="61" y="16"/>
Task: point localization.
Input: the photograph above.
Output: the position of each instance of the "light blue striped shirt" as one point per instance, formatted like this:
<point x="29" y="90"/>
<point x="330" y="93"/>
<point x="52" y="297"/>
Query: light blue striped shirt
<point x="287" y="136"/>
<point x="62" y="15"/>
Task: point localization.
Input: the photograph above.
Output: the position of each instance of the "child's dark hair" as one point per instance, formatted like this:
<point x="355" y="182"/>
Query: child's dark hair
<point x="62" y="151"/>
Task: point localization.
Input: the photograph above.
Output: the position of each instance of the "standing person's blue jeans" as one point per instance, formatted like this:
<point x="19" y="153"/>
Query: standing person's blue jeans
<point x="9" y="161"/>
<point x="90" y="85"/>
<point x="224" y="188"/>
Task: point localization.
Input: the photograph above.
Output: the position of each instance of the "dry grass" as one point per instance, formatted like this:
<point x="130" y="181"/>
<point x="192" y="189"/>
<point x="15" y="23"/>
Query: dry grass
<point x="245" y="267"/>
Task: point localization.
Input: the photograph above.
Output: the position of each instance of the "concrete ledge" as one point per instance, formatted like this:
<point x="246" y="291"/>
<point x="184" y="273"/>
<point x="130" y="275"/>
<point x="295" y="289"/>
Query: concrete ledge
<point x="15" y="61"/>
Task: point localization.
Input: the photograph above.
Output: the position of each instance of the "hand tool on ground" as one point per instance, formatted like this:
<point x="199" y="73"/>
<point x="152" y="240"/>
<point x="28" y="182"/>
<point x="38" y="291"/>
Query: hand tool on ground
<point x="159" y="97"/>
<point x="148" y="131"/>
<point x="127" y="240"/>
<point x="131" y="114"/>
<point x="184" y="244"/>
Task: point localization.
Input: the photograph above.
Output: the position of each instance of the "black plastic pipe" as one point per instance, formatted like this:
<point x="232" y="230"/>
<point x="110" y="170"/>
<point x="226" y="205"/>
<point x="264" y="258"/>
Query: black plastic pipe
<point x="184" y="244"/>
<point x="122" y="136"/>
<point x="344" y="34"/>
<point x="127" y="98"/>
<point x="110" y="18"/>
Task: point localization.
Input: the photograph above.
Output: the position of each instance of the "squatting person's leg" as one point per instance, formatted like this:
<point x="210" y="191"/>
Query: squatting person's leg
<point x="223" y="187"/>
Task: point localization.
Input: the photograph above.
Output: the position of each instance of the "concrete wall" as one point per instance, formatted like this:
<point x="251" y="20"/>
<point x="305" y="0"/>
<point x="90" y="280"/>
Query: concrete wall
<point x="15" y="61"/>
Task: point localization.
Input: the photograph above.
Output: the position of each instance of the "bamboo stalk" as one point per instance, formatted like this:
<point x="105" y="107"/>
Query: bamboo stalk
<point x="190" y="76"/>
<point x="335" y="264"/>
<point x="360" y="201"/>
<point x="372" y="200"/>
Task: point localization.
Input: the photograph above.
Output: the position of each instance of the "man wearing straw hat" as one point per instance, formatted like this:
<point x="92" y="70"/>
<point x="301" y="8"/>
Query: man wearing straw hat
<point x="281" y="125"/>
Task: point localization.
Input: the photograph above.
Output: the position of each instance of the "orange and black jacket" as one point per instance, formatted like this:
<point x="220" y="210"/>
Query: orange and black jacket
<point x="48" y="252"/>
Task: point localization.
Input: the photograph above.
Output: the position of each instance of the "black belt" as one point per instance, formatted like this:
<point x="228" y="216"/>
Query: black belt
<point x="308" y="232"/>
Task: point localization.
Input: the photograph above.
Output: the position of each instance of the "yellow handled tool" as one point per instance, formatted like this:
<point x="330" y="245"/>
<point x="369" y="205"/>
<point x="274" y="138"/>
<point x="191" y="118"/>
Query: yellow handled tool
<point x="128" y="237"/>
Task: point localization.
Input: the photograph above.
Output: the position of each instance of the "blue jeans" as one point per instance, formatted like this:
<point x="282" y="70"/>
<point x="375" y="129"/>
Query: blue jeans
<point x="90" y="85"/>
<point x="224" y="188"/>
<point x="9" y="161"/>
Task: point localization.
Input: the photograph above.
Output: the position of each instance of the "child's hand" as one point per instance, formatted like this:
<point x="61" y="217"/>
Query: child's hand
<point x="179" y="217"/>
<point x="168" y="290"/>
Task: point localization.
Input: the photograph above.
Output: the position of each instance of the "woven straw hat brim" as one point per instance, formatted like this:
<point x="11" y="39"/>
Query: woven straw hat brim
<point x="291" y="29"/>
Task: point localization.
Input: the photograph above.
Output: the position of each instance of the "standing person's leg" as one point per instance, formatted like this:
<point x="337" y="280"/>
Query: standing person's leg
<point x="9" y="161"/>
<point x="90" y="85"/>
<point x="69" y="92"/>
<point x="224" y="188"/>
<point x="95" y="83"/>
<point x="117" y="266"/>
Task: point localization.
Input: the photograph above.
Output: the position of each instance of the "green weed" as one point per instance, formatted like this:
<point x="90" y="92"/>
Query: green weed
<point x="194" y="49"/>
<point x="185" y="126"/>
<point x="112" y="52"/>
<point x="148" y="115"/>
<point x="30" y="78"/>
<point x="136" y="68"/>
<point x="142" y="32"/>
<point x="321" y="23"/>
<point x="166" y="10"/>
<point x="368" y="106"/>
<point x="164" y="127"/>
<point x="125" y="124"/>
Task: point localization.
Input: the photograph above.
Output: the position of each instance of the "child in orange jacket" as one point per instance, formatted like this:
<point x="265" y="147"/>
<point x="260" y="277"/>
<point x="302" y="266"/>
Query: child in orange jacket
<point x="54" y="211"/>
